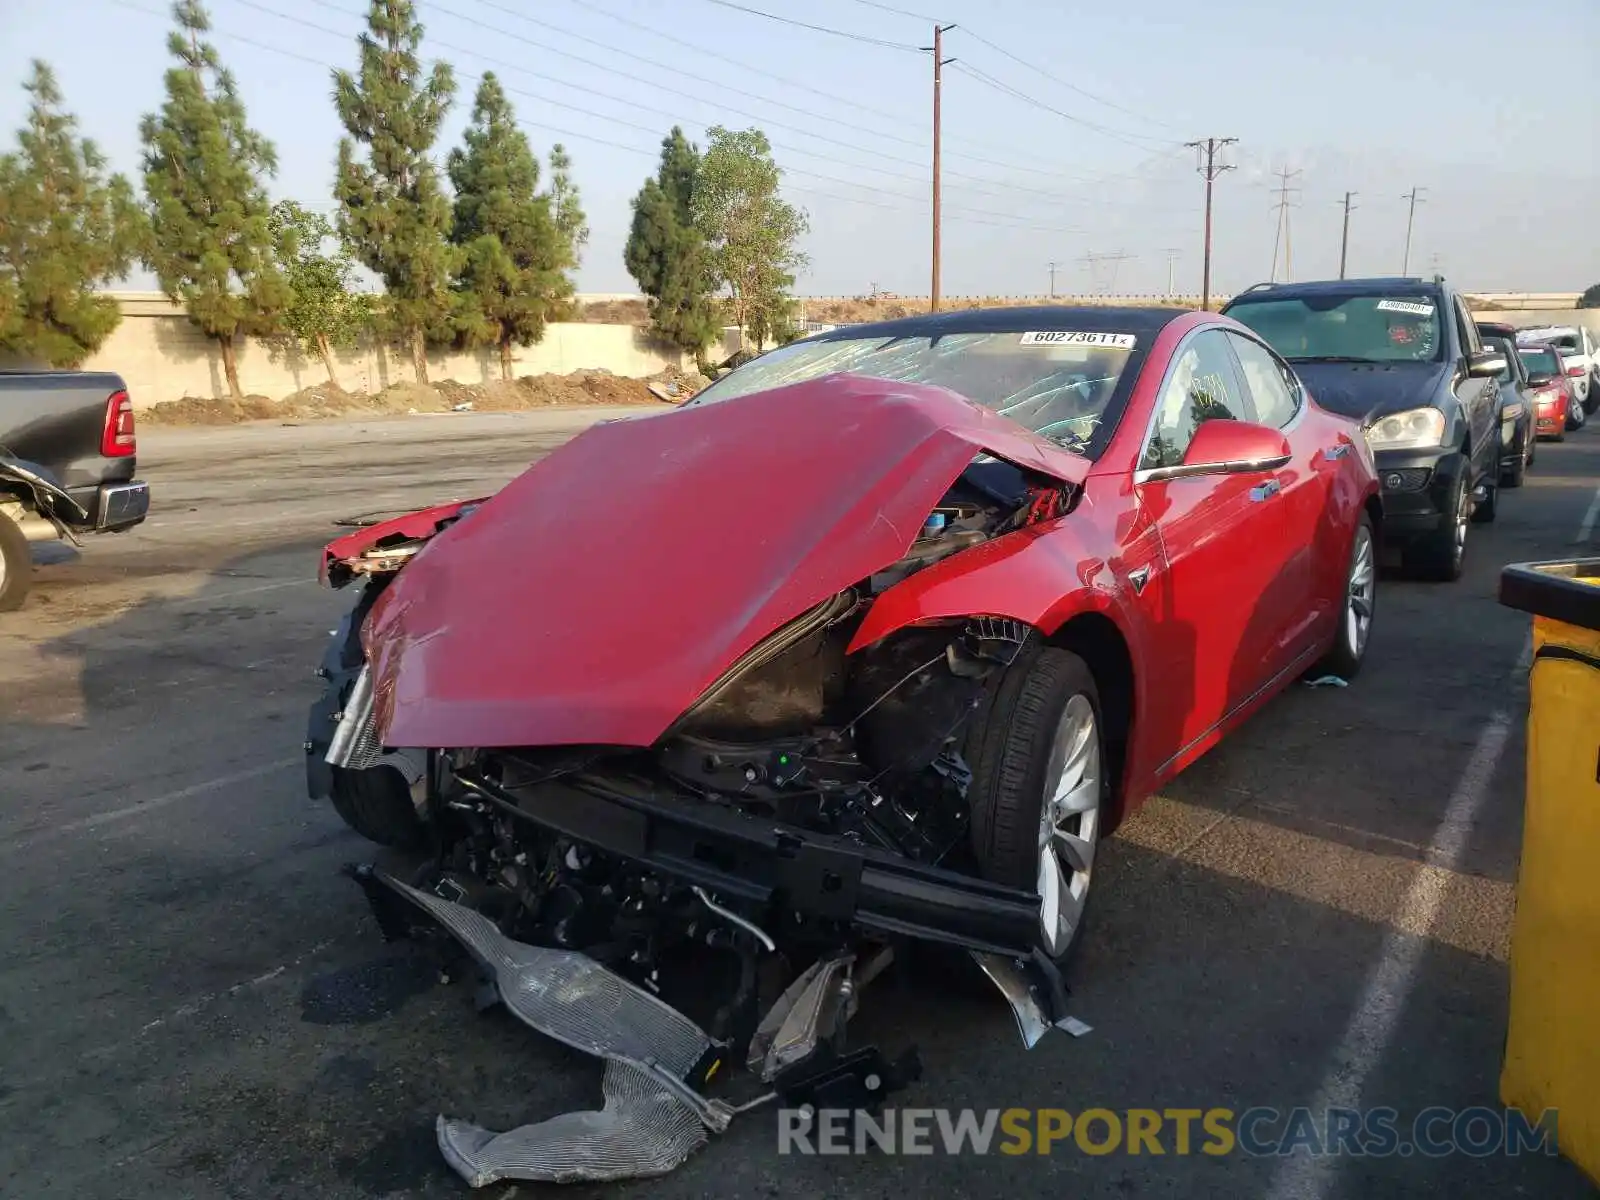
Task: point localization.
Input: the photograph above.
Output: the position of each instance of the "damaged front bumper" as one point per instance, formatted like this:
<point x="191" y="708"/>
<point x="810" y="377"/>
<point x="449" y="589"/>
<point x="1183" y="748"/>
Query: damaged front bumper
<point x="655" y="1110"/>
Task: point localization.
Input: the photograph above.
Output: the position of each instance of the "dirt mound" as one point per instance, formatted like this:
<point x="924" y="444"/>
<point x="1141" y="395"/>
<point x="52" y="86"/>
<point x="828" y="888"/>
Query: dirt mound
<point x="328" y="400"/>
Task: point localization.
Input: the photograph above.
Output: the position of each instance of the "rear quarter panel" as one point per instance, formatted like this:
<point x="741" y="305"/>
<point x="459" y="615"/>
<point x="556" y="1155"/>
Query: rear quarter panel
<point x="54" y="419"/>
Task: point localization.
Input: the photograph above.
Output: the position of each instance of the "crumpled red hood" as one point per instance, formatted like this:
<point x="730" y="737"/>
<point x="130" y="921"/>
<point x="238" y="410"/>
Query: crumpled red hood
<point x="597" y="595"/>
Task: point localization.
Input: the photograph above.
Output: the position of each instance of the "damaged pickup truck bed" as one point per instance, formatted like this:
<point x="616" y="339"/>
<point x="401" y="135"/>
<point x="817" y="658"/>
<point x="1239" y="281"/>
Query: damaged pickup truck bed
<point x="708" y="715"/>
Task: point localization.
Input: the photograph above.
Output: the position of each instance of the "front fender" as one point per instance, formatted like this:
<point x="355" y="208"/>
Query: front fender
<point x="1034" y="575"/>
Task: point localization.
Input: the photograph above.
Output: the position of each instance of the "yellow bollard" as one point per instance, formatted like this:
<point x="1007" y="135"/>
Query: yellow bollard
<point x="1552" y="1057"/>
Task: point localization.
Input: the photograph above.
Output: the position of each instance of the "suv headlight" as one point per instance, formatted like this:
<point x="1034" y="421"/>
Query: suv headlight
<point x="1416" y="427"/>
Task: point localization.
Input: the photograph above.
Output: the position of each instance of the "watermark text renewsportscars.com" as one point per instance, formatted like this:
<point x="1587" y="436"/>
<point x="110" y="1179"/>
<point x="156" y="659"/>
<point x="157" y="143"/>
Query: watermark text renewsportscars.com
<point x="1257" y="1132"/>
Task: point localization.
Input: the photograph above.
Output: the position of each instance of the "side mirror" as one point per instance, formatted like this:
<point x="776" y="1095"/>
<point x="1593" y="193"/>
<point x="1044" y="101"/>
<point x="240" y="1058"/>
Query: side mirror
<point x="1485" y="364"/>
<point x="1226" y="447"/>
<point x="1540" y="379"/>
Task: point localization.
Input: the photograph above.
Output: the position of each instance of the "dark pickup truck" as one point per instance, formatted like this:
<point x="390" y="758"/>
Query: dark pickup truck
<point x="68" y="456"/>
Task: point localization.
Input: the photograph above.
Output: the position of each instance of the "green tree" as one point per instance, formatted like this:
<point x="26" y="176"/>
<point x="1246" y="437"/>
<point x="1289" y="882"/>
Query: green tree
<point x="668" y="256"/>
<point x="211" y="245"/>
<point x="393" y="213"/>
<point x="66" y="229"/>
<point x="516" y="257"/>
<point x="1590" y="297"/>
<point x="324" y="313"/>
<point x="751" y="229"/>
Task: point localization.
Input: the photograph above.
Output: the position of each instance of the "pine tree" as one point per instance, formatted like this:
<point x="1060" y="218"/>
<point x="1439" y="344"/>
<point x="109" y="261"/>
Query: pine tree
<point x="667" y="255"/>
<point x="516" y="254"/>
<point x="324" y="313"/>
<point x="751" y="229"/>
<point x="393" y="212"/>
<point x="65" y="231"/>
<point x="211" y="245"/>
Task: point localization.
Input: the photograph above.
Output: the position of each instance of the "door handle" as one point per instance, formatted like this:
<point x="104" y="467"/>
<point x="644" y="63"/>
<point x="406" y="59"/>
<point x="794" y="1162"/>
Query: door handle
<point x="1266" y="490"/>
<point x="1336" y="452"/>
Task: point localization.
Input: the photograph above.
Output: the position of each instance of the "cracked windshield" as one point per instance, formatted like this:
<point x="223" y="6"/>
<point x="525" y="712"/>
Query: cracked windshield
<point x="1060" y="391"/>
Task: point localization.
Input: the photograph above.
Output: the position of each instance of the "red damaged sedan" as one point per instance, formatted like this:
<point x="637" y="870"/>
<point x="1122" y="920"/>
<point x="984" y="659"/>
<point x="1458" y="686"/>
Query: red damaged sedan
<point x="868" y="644"/>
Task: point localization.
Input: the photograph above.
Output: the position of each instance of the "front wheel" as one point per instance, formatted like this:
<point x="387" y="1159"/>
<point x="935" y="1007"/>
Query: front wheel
<point x="377" y="804"/>
<point x="1360" y="604"/>
<point x="16" y="565"/>
<point x="1576" y="417"/>
<point x="1040" y="789"/>
<point x="1440" y="555"/>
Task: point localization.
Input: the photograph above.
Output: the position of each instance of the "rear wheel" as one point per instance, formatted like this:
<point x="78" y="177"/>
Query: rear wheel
<point x="1576" y="417"/>
<point x="1040" y="790"/>
<point x="1484" y="511"/>
<point x="16" y="565"/>
<point x="1360" y="603"/>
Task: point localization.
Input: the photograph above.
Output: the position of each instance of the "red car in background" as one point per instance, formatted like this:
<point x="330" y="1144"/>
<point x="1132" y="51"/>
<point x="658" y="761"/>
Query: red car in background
<point x="1556" y="405"/>
<point x="873" y="640"/>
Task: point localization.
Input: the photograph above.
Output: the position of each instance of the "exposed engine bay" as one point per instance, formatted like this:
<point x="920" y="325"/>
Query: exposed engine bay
<point x="791" y="834"/>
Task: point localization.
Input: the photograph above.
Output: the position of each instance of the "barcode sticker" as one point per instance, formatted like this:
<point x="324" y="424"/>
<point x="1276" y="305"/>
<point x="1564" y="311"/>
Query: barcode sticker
<point x="1065" y="337"/>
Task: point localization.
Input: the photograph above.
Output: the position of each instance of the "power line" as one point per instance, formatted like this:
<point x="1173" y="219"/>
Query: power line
<point x="1210" y="167"/>
<point x="801" y="85"/>
<point x="1104" y="131"/>
<point x="969" y="216"/>
<point x="972" y="182"/>
<point x="998" y="217"/>
<point x="1022" y="62"/>
<point x="841" y="33"/>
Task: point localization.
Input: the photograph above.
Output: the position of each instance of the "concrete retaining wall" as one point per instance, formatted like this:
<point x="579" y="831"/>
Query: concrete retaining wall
<point x="164" y="357"/>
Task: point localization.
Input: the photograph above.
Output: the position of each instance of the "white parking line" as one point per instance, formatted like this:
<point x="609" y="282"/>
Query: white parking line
<point x="1586" y="530"/>
<point x="1372" y="1026"/>
<point x="146" y="806"/>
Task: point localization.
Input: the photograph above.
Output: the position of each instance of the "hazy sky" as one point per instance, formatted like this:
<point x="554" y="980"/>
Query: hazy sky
<point x="1074" y="150"/>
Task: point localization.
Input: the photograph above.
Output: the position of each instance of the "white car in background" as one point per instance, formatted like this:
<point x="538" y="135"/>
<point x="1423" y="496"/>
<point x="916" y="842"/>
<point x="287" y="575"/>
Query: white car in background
<point x="1579" y="356"/>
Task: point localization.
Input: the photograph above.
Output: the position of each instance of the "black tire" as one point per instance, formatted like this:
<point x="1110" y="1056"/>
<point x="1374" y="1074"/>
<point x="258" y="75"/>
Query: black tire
<point x="1484" y="511"/>
<point x="1514" y="475"/>
<point x="1533" y="446"/>
<point x="1345" y="658"/>
<point x="1009" y="751"/>
<point x="16" y="566"/>
<point x="1576" y="417"/>
<point x="1439" y="556"/>
<point x="377" y="804"/>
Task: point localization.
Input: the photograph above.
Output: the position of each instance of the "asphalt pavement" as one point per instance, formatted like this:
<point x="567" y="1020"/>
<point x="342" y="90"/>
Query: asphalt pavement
<point x="194" y="1003"/>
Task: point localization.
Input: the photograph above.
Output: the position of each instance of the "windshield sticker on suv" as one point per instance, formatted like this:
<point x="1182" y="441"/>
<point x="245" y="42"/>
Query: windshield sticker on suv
<point x="1406" y="306"/>
<point x="1063" y="337"/>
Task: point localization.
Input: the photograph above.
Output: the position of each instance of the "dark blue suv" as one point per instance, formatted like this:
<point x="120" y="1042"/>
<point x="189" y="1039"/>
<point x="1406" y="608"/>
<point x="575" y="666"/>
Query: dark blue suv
<point x="1403" y="356"/>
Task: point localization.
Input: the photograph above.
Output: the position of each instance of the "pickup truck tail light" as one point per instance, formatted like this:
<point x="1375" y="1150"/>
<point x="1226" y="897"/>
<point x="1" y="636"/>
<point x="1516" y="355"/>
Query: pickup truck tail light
<point x="117" y="440"/>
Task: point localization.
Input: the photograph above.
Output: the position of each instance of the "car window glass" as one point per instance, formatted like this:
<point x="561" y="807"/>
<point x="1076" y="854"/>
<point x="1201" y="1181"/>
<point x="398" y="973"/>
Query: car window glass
<point x="1201" y="385"/>
<point x="1273" y="392"/>
<point x="1469" y="331"/>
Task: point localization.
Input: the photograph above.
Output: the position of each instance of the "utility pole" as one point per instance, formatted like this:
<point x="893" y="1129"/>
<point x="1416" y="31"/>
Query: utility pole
<point x="939" y="63"/>
<point x="1052" y="281"/>
<point x="1344" y="238"/>
<point x="1172" y="258"/>
<point x="1285" y="203"/>
<point x="1210" y="168"/>
<point x="1411" y="215"/>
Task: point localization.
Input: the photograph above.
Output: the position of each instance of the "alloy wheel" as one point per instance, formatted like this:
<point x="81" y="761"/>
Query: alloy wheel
<point x="1463" y="519"/>
<point x="1361" y="592"/>
<point x="1069" y="824"/>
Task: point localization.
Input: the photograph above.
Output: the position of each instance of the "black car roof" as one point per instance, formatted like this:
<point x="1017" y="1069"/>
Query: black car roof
<point x="1045" y="318"/>
<point x="1397" y="284"/>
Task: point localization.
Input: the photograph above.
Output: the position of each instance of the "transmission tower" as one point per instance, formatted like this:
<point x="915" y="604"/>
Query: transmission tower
<point x="1287" y="199"/>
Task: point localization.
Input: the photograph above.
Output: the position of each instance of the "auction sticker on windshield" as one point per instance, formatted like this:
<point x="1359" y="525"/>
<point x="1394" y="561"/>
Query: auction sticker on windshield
<point x="1406" y="306"/>
<point x="1064" y="337"/>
